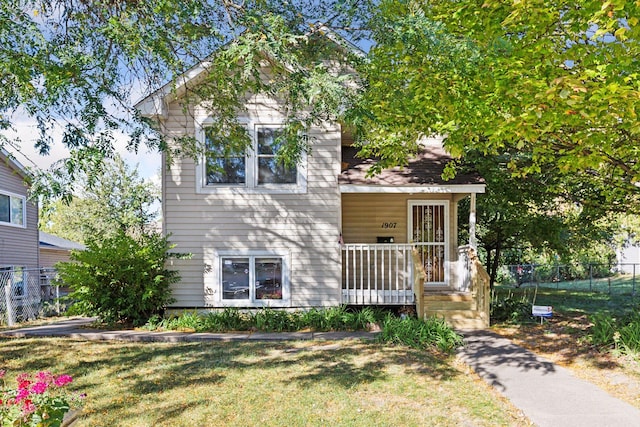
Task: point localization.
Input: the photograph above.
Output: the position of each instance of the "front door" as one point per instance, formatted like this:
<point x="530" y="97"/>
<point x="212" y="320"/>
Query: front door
<point x="429" y="229"/>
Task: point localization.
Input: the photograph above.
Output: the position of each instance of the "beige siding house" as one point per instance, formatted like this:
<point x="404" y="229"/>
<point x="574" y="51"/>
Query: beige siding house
<point x="18" y="217"/>
<point x="323" y="234"/>
<point x="54" y="249"/>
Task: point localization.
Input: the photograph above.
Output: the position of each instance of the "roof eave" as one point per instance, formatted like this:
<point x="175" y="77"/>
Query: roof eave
<point x="423" y="189"/>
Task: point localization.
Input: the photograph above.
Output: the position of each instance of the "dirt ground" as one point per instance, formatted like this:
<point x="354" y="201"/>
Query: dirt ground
<point x="563" y="340"/>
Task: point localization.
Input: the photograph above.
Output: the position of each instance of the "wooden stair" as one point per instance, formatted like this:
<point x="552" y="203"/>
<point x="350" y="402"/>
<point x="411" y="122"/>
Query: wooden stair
<point x="459" y="309"/>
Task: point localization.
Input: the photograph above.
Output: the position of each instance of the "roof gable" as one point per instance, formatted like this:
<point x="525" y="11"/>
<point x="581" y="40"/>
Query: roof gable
<point x="9" y="160"/>
<point x="156" y="104"/>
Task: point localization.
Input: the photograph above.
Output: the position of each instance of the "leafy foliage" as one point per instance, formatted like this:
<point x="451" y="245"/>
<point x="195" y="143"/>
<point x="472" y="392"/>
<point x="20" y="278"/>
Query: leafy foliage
<point x="121" y="278"/>
<point x="116" y="198"/>
<point x="418" y="333"/>
<point x="338" y="318"/>
<point x="79" y="66"/>
<point x="510" y="307"/>
<point x="620" y="334"/>
<point x="408" y="331"/>
<point x="554" y="80"/>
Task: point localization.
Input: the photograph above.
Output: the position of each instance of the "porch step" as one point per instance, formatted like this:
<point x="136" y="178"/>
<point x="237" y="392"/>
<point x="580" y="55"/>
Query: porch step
<point x="457" y="308"/>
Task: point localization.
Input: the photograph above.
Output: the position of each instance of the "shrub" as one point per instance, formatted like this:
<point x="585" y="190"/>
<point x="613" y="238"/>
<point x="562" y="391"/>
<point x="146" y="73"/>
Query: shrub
<point x="621" y="335"/>
<point x="120" y="279"/>
<point x="603" y="329"/>
<point x="418" y="333"/>
<point x="509" y="308"/>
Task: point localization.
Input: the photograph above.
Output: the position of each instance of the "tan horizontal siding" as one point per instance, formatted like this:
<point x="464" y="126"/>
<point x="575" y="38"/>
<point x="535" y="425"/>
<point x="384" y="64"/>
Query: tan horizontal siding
<point x="50" y="257"/>
<point x="304" y="225"/>
<point x="18" y="245"/>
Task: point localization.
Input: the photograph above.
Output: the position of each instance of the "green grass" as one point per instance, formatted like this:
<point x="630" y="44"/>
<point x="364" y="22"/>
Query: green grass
<point x="624" y="285"/>
<point x="574" y="300"/>
<point x="345" y="383"/>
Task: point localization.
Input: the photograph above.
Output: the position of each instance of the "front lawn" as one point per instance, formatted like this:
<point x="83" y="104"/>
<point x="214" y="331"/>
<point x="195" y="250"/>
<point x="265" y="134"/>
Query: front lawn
<point x="348" y="383"/>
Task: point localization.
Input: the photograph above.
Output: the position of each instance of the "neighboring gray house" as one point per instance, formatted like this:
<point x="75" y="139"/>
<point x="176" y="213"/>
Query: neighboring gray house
<point x="18" y="217"/>
<point x="322" y="234"/>
<point x="54" y="249"/>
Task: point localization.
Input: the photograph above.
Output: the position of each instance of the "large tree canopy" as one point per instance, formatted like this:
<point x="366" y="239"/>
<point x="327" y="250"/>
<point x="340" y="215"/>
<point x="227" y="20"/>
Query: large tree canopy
<point x="558" y="80"/>
<point x="83" y="64"/>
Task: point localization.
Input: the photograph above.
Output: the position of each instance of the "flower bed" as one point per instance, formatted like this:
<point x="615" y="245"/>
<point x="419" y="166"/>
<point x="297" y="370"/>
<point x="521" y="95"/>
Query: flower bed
<point x="37" y="400"/>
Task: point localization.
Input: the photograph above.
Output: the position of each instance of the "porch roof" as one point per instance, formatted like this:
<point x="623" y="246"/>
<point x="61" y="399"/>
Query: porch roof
<point x="422" y="174"/>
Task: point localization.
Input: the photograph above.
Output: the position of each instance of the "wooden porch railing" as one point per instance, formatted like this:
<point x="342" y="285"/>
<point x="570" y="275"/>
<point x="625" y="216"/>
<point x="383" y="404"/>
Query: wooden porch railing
<point x="379" y="274"/>
<point x="474" y="278"/>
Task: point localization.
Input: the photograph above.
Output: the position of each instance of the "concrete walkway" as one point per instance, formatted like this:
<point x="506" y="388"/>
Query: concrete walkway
<point x="549" y="395"/>
<point x="77" y="328"/>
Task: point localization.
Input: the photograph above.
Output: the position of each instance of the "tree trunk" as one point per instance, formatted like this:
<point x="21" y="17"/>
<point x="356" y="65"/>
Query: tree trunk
<point x="495" y="263"/>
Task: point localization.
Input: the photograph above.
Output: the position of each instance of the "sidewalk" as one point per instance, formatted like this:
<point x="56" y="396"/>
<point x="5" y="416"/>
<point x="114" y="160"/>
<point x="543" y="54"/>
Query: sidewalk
<point x="76" y="328"/>
<point x="549" y="395"/>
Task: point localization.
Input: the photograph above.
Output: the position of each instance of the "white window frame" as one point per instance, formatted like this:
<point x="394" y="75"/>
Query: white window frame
<point x="252" y="255"/>
<point x="250" y="185"/>
<point x="23" y="201"/>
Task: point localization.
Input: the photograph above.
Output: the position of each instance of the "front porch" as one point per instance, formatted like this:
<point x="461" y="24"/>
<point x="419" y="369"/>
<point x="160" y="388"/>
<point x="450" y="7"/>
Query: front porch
<point x="399" y="237"/>
<point x="395" y="274"/>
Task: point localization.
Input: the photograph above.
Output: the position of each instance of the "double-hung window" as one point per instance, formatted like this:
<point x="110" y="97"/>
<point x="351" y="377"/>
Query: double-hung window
<point x="12" y="209"/>
<point x="223" y="165"/>
<point x="270" y="169"/>
<point x="254" y="280"/>
<point x="257" y="169"/>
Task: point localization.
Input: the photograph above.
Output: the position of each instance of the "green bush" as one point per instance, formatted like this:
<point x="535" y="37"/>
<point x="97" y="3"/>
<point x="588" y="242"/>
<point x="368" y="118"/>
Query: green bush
<point x="621" y="335"/>
<point x="418" y="333"/>
<point x="603" y="329"/>
<point x="509" y="308"/>
<point x="121" y="278"/>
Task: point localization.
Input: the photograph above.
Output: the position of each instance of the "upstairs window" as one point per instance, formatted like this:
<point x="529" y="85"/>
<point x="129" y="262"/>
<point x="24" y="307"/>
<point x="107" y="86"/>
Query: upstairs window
<point x="254" y="168"/>
<point x="12" y="209"/>
<point x="270" y="170"/>
<point x="223" y="165"/>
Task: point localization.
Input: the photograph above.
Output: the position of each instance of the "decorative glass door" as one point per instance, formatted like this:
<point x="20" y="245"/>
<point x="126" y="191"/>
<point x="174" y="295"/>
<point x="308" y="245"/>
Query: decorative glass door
<point x="429" y="230"/>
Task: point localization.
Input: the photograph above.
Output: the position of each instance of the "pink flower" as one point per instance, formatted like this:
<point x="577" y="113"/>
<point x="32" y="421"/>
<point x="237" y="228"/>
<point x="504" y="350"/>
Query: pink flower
<point x="28" y="407"/>
<point x="45" y="377"/>
<point x="39" y="387"/>
<point x="62" y="380"/>
<point x="23" y="377"/>
<point x="23" y="393"/>
<point x="2" y="373"/>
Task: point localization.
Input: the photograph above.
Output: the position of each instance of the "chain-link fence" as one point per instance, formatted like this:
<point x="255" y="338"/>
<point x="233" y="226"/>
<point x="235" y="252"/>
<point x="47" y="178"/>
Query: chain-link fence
<point x="621" y="278"/>
<point x="27" y="294"/>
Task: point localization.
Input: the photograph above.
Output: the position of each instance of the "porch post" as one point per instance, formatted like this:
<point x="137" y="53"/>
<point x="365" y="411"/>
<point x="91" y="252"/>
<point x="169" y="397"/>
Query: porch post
<point x="473" y="242"/>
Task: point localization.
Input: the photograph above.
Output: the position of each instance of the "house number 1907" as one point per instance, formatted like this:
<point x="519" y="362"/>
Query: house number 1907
<point x="389" y="224"/>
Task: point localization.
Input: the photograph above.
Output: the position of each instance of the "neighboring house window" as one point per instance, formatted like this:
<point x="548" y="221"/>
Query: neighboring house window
<point x="222" y="165"/>
<point x="254" y="280"/>
<point x="254" y="171"/>
<point x="12" y="209"/>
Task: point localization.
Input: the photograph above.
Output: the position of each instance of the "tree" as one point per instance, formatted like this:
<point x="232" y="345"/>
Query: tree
<point x="79" y="63"/>
<point x="530" y="215"/>
<point x="557" y="80"/>
<point x="114" y="199"/>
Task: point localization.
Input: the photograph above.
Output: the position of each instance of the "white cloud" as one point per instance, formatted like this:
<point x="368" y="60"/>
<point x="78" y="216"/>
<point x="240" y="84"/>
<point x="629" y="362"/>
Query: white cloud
<point x="25" y="133"/>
